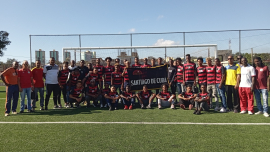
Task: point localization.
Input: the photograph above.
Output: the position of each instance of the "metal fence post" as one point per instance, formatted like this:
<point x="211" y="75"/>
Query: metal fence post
<point x="239" y="42"/>
<point x="184" y="42"/>
<point x="131" y="44"/>
<point x="80" y="46"/>
<point x="30" y="53"/>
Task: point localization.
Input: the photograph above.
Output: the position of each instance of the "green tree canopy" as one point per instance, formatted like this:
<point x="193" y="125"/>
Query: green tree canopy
<point x="4" y="41"/>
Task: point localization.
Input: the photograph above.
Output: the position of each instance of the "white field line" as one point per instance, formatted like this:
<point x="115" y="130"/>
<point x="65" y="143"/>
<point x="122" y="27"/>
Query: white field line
<point x="141" y="123"/>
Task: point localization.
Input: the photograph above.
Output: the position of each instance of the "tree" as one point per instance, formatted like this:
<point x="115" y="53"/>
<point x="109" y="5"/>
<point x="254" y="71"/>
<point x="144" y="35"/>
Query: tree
<point x="10" y="61"/>
<point x="4" y="41"/>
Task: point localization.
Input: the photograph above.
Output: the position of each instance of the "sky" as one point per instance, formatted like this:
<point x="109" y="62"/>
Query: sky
<point x="34" y="17"/>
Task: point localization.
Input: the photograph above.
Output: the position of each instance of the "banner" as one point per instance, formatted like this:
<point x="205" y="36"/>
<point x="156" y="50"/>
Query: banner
<point x="153" y="77"/>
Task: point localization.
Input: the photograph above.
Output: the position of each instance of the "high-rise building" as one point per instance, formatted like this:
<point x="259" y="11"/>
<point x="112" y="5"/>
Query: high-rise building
<point x="54" y="54"/>
<point x="40" y="55"/>
<point x="67" y="56"/>
<point x="88" y="55"/>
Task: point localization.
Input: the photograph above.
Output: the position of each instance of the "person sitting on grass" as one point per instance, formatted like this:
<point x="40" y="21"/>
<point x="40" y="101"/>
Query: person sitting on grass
<point x="145" y="97"/>
<point x="127" y="98"/>
<point x="201" y="101"/>
<point x="112" y="98"/>
<point x="72" y="81"/>
<point x="187" y="98"/>
<point x="92" y="93"/>
<point x="165" y="98"/>
<point x="75" y="95"/>
<point x="104" y="91"/>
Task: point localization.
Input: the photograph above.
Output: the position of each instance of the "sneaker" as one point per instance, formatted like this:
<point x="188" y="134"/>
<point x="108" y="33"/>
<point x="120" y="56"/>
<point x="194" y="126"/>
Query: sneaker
<point x="125" y="107"/>
<point x="190" y="106"/>
<point x="34" y="106"/>
<point x="110" y="108"/>
<point x="105" y="106"/>
<point x="6" y="114"/>
<point x="250" y="112"/>
<point x="266" y="114"/>
<point x="67" y="106"/>
<point x="29" y="111"/>
<point x="183" y="107"/>
<point x="195" y="111"/>
<point x="101" y="105"/>
<point x="258" y="113"/>
<point x="216" y="109"/>
<point x="46" y="108"/>
<point x="94" y="105"/>
<point x="59" y="106"/>
<point x="21" y="111"/>
<point x="41" y="108"/>
<point x="55" y="107"/>
<point x="235" y="111"/>
<point x="116" y="108"/>
<point x="149" y="106"/>
<point x="243" y="112"/>
<point x="198" y="112"/>
<point x="230" y="110"/>
<point x="130" y="107"/>
<point x="14" y="112"/>
<point x="222" y="110"/>
<point x="142" y="106"/>
<point x="172" y="106"/>
<point x="159" y="107"/>
<point x="78" y="106"/>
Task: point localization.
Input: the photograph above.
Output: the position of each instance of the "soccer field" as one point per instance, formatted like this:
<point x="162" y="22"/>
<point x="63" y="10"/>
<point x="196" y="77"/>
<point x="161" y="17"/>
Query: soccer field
<point x="98" y="129"/>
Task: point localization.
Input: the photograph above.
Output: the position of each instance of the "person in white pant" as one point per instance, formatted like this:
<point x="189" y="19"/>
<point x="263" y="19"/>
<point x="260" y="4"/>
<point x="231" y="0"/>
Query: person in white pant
<point x="165" y="98"/>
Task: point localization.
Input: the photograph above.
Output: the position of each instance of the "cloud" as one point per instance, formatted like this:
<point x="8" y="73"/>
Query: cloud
<point x="162" y="42"/>
<point x="160" y="17"/>
<point x="132" y="30"/>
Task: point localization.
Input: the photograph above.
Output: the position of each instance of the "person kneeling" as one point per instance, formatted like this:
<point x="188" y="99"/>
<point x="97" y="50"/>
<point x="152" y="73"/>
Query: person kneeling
<point x="145" y="97"/>
<point x="76" y="95"/>
<point x="112" y="98"/>
<point x="92" y="93"/>
<point x="127" y="98"/>
<point x="201" y="101"/>
<point x="187" y="98"/>
<point x="165" y="98"/>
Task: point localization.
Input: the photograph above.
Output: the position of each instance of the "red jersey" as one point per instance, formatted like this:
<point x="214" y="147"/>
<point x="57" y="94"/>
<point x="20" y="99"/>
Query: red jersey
<point x="112" y="94"/>
<point x="127" y="94"/>
<point x="202" y="76"/>
<point x="122" y="67"/>
<point x="126" y="76"/>
<point x="63" y="76"/>
<point x="100" y="69"/>
<point x="74" y="78"/>
<point x="108" y="71"/>
<point x="90" y="77"/>
<point x="189" y="69"/>
<point x="165" y="95"/>
<point x="204" y="96"/>
<point x="211" y="74"/>
<point x="219" y="72"/>
<point x="117" y="78"/>
<point x="262" y="73"/>
<point x="76" y="92"/>
<point x="38" y="77"/>
<point x="93" y="90"/>
<point x="188" y="95"/>
<point x="106" y="90"/>
<point x="146" y="95"/>
<point x="179" y="73"/>
<point x="145" y="66"/>
<point x="136" y="65"/>
<point x="25" y="78"/>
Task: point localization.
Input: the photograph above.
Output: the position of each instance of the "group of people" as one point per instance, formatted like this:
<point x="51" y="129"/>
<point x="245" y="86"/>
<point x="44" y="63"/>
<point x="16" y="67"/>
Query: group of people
<point x="190" y="85"/>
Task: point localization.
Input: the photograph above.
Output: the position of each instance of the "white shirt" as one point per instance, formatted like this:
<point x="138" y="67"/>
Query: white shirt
<point x="246" y="76"/>
<point x="51" y="74"/>
<point x="71" y="68"/>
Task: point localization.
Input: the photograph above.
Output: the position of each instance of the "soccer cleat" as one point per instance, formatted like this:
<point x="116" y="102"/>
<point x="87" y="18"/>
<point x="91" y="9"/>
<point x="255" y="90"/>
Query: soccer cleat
<point x="55" y="107"/>
<point x="216" y="109"/>
<point x="198" y="112"/>
<point x="14" y="112"/>
<point x="130" y="107"/>
<point x="159" y="106"/>
<point x="142" y="106"/>
<point x="125" y="107"/>
<point x="266" y="114"/>
<point x="222" y="110"/>
<point x="41" y="108"/>
<point x="183" y="107"/>
<point x="235" y="111"/>
<point x="243" y="112"/>
<point x="149" y="106"/>
<point x="259" y="112"/>
<point x="105" y="106"/>
<point x="59" y="106"/>
<point x="6" y="114"/>
<point x="190" y="106"/>
<point x="46" y="108"/>
<point x="250" y="112"/>
<point x="29" y="111"/>
<point x="172" y="106"/>
<point x="110" y="108"/>
<point x="101" y="106"/>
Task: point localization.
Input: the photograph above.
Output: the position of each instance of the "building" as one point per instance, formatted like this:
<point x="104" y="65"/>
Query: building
<point x="40" y="55"/>
<point x="67" y="56"/>
<point x="88" y="55"/>
<point x="223" y="54"/>
<point x="122" y="55"/>
<point x="55" y="55"/>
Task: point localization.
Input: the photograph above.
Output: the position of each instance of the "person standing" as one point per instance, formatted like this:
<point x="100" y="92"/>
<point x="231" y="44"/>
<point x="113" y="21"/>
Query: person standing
<point x="125" y="74"/>
<point x="239" y="57"/>
<point x="83" y="70"/>
<point x="72" y="65"/>
<point x="10" y="78"/>
<point x="246" y="87"/>
<point x="116" y="78"/>
<point x="201" y="72"/>
<point x="153" y="62"/>
<point x="122" y="67"/>
<point x="25" y="82"/>
<point x="38" y="85"/>
<point x="179" y="75"/>
<point x="136" y="64"/>
<point x="211" y="82"/>
<point x="189" y="72"/>
<point x="261" y="87"/>
<point x="108" y="70"/>
<point x="90" y="67"/>
<point x="100" y="69"/>
<point x="220" y="86"/>
<point x="50" y="73"/>
<point x="145" y="65"/>
<point x="233" y="75"/>
<point x="62" y="81"/>
<point x="171" y="76"/>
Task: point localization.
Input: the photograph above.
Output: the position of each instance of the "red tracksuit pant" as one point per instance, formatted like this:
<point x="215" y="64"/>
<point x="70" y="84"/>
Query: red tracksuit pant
<point x="246" y="99"/>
